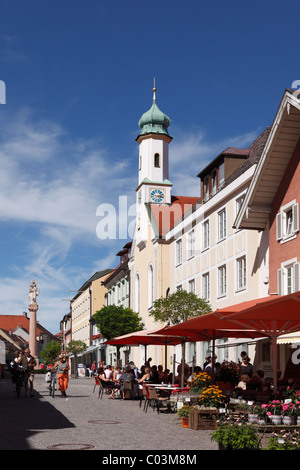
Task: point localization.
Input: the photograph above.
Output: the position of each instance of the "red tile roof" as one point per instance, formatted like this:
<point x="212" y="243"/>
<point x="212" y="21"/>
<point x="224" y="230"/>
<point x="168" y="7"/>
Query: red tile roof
<point x="11" y="322"/>
<point x="166" y="216"/>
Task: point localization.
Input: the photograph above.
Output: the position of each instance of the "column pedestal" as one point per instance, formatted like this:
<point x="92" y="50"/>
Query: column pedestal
<point x="33" y="308"/>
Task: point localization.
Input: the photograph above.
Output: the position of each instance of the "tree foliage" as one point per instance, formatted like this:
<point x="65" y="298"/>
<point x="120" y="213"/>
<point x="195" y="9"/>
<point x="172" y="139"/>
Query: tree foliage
<point x="51" y="352"/>
<point x="179" y="307"/>
<point x="76" y="347"/>
<point x="113" y="321"/>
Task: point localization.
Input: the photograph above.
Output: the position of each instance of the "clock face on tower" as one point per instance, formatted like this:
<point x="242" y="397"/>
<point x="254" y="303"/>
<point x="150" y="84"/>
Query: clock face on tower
<point x="157" y="195"/>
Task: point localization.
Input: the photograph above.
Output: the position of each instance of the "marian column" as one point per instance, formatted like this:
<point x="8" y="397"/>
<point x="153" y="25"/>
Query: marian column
<point x="33" y="308"/>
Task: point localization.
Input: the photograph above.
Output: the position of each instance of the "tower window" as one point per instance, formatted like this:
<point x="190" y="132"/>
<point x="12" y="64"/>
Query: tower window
<point x="156" y="160"/>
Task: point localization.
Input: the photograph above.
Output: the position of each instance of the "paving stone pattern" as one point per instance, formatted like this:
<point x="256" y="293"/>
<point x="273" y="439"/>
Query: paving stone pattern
<point x="85" y="422"/>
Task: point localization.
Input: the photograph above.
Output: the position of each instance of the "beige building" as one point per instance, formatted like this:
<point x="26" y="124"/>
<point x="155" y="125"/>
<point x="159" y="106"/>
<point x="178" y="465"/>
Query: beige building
<point x="190" y="243"/>
<point x="208" y="255"/>
<point x="89" y="298"/>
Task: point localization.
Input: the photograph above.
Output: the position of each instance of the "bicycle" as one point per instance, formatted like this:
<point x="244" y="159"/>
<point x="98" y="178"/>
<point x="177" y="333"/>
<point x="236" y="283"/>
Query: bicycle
<point x="53" y="382"/>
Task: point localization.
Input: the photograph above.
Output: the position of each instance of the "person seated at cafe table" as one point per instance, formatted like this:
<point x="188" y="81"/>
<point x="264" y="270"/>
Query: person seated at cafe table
<point x="161" y="374"/>
<point x="146" y="377"/>
<point x="154" y="377"/>
<point x="127" y="376"/>
<point x="107" y="383"/>
<point x="242" y="385"/>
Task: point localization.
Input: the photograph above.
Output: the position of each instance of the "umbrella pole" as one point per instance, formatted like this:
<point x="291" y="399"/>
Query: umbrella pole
<point x="213" y="355"/>
<point x="274" y="354"/>
<point x="166" y="361"/>
<point x="182" y="362"/>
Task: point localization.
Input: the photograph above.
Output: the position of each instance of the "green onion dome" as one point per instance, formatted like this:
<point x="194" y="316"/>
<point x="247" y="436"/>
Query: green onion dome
<point x="154" y="120"/>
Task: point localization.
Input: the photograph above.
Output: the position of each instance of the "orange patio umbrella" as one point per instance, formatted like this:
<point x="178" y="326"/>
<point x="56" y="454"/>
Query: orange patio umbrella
<point x="271" y="318"/>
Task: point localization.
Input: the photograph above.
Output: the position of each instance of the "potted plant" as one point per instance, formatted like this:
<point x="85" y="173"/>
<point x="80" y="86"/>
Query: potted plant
<point x="212" y="397"/>
<point x="274" y="412"/>
<point x="200" y="381"/>
<point x="253" y="414"/>
<point x="184" y="413"/>
<point x="297" y="412"/>
<point x="235" y="436"/>
<point x="288" y="413"/>
<point x="260" y="413"/>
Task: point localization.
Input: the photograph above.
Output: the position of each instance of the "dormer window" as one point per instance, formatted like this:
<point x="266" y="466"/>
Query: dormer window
<point x="206" y="188"/>
<point x="214" y="182"/>
<point x="156" y="160"/>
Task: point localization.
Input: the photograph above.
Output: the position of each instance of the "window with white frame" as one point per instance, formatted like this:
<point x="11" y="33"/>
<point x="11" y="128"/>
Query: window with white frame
<point x="221" y="175"/>
<point x="205" y="233"/>
<point x="150" y="286"/>
<point x="178" y="252"/>
<point x="191" y="244"/>
<point x="241" y="273"/>
<point x="287" y="222"/>
<point x="192" y="286"/>
<point x="222" y="282"/>
<point x="205" y="286"/>
<point x="222" y="224"/>
<point x="206" y="188"/>
<point x="137" y="293"/>
<point x="238" y="203"/>
<point x="288" y="278"/>
<point x="214" y="182"/>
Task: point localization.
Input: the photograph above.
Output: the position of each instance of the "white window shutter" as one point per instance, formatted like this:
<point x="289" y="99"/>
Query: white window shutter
<point x="296" y="277"/>
<point x="280" y="281"/>
<point x="296" y="218"/>
<point x="279" y="226"/>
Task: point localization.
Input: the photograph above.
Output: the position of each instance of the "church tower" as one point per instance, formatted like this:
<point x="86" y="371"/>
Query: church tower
<point x="153" y="184"/>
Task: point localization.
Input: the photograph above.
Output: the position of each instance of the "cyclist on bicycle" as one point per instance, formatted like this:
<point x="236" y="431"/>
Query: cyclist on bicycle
<point x="62" y="367"/>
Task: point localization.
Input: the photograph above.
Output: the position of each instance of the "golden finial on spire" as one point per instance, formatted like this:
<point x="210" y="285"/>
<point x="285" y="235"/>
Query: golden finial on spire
<point x="154" y="90"/>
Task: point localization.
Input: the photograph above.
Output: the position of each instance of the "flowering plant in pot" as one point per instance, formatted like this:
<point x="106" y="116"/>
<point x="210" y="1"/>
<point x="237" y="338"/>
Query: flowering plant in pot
<point x="184" y="413"/>
<point x="212" y="397"/>
<point x="274" y="411"/>
<point x="200" y="381"/>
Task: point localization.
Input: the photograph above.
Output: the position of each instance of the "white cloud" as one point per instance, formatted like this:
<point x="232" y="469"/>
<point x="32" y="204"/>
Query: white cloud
<point x="53" y="185"/>
<point x="191" y="152"/>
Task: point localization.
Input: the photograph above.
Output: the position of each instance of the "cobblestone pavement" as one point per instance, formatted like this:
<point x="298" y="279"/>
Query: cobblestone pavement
<point x="84" y="421"/>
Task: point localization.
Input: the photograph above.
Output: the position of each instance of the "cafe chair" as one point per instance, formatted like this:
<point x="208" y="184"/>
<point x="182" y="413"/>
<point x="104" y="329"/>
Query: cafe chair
<point x="156" y="401"/>
<point x="145" y="398"/>
<point x="127" y="390"/>
<point x="97" y="382"/>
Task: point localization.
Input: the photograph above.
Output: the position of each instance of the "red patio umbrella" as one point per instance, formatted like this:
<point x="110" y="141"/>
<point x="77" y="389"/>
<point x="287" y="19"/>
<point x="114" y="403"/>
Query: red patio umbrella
<point x="209" y="327"/>
<point x="272" y="318"/>
<point x="145" y="338"/>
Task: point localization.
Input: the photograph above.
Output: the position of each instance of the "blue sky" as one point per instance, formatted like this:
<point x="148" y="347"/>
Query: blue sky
<point x="78" y="77"/>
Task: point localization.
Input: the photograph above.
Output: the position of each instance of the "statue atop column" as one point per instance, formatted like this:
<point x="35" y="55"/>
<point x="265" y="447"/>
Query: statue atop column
<point x="33" y="292"/>
<point x="33" y="308"/>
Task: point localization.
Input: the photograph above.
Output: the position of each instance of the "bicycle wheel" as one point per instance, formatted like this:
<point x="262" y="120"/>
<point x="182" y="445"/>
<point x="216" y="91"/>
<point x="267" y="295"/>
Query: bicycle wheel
<point x="53" y="387"/>
<point x="50" y="388"/>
